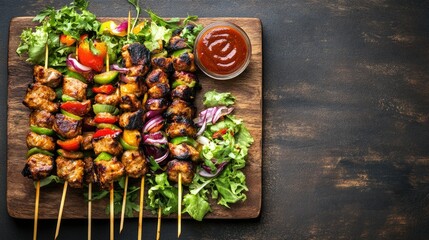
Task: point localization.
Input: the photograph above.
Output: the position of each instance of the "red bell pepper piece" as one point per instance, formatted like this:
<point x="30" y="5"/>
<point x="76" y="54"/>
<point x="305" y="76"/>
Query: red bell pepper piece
<point x="69" y="144"/>
<point x="106" y="119"/>
<point x="76" y="107"/>
<point x="106" y="132"/>
<point x="106" y="89"/>
<point x="220" y="133"/>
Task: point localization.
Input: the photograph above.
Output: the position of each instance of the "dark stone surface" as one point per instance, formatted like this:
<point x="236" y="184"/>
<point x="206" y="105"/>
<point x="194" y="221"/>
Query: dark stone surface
<point x="346" y="110"/>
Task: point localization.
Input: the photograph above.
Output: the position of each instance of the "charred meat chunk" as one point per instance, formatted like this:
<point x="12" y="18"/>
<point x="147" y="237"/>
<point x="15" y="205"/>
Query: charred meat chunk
<point x="67" y="127"/>
<point x="135" y="54"/>
<point x="181" y="127"/>
<point x="176" y="43"/>
<point x="130" y="102"/>
<point x="163" y="63"/>
<point x="41" y="141"/>
<point x="41" y="118"/>
<point x="38" y="166"/>
<point x="183" y="151"/>
<point x="108" y="171"/>
<point x="184" y="62"/>
<point x="180" y="108"/>
<point x="47" y="76"/>
<point x="174" y="167"/>
<point x="135" y="163"/>
<point x="183" y="92"/>
<point x="71" y="170"/>
<point x="156" y="76"/>
<point x="74" y="88"/>
<point x="40" y="97"/>
<point x="108" y="144"/>
<point x="87" y="141"/>
<point x="131" y="120"/>
<point x="160" y="90"/>
<point x="110" y="99"/>
<point x="89" y="173"/>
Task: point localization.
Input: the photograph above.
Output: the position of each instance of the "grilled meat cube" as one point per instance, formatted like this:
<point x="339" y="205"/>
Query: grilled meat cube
<point x="74" y="88"/>
<point x="38" y="166"/>
<point x="135" y="163"/>
<point x="135" y="54"/>
<point x="130" y="103"/>
<point x="156" y="76"/>
<point x="87" y="141"/>
<point x="183" y="92"/>
<point x="136" y="58"/>
<point x="40" y="97"/>
<point x="176" y="43"/>
<point x="160" y="90"/>
<point x="108" y="171"/>
<point x="181" y="127"/>
<point x="41" y="141"/>
<point x="89" y="173"/>
<point x="131" y="120"/>
<point x="67" y="127"/>
<point x="174" y="167"/>
<point x="70" y="154"/>
<point x="41" y="118"/>
<point x="136" y="88"/>
<point x="180" y="108"/>
<point x="184" y="62"/>
<point x="110" y="99"/>
<point x="107" y="144"/>
<point x="183" y="151"/>
<point x="163" y="63"/>
<point x="47" y="76"/>
<point x="71" y="170"/>
<point x="156" y="104"/>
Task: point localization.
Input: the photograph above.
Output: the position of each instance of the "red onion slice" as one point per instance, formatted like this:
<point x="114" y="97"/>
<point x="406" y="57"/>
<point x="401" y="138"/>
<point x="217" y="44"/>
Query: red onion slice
<point x="152" y="123"/>
<point x="152" y="113"/>
<point x="116" y="67"/>
<point x="122" y="27"/>
<point x="162" y="158"/>
<point x="76" y="66"/>
<point x="156" y="139"/>
<point x="204" y="173"/>
<point x="211" y="115"/>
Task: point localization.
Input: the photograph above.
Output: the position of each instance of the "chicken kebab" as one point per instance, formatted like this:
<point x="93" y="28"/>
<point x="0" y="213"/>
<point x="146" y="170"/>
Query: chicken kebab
<point x="40" y="99"/>
<point x="136" y="59"/>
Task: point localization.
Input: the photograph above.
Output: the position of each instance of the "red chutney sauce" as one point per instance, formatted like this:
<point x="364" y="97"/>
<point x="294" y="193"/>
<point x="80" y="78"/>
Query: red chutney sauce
<point x="222" y="50"/>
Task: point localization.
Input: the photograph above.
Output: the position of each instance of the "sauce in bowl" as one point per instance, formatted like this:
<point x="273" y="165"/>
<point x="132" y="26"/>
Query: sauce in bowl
<point x="222" y="50"/>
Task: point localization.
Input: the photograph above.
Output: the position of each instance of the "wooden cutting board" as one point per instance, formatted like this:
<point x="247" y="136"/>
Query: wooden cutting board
<point x="247" y="88"/>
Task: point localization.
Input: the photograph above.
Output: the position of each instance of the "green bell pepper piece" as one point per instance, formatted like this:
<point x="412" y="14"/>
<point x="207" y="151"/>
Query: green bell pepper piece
<point x="38" y="150"/>
<point x="184" y="139"/>
<point x="70" y="115"/>
<point x="103" y="156"/>
<point x="42" y="130"/>
<point x="106" y="77"/>
<point x="127" y="146"/>
<point x="99" y="108"/>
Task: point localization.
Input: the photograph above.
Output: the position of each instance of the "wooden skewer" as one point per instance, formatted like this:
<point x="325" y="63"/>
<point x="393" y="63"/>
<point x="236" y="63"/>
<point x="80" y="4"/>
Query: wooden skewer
<point x="124" y="203"/>
<point x="60" y="213"/>
<point x="112" y="212"/>
<point x="140" y="229"/>
<point x="46" y="55"/>
<point x="158" y="227"/>
<point x="179" y="207"/>
<point x="36" y="209"/>
<point x="89" y="209"/>
<point x="107" y="62"/>
<point x="129" y="25"/>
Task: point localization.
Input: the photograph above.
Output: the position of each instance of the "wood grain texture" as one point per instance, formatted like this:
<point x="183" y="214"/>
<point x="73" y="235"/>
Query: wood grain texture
<point x="20" y="191"/>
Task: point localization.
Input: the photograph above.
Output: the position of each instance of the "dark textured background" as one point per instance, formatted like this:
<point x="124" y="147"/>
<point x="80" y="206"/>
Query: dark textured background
<point x="346" y="121"/>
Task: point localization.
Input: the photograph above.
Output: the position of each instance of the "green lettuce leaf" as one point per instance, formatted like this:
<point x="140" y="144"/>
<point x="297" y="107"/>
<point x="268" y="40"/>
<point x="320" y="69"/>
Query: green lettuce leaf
<point x="197" y="207"/>
<point x="213" y="98"/>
